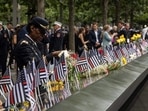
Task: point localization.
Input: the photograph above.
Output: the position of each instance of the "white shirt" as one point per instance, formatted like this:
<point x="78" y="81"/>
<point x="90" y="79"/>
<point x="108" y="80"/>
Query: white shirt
<point x="96" y="33"/>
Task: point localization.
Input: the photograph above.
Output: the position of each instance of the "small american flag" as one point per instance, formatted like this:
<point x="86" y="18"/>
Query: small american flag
<point x="118" y="51"/>
<point x="30" y="75"/>
<point x="6" y="82"/>
<point x="93" y="60"/>
<point x="42" y="70"/>
<point x="20" y="91"/>
<point x="59" y="72"/>
<point x="82" y="63"/>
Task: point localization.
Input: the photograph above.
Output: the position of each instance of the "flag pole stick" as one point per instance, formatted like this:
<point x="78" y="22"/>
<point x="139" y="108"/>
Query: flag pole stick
<point x="77" y="81"/>
<point x="49" y="94"/>
<point x="3" y="95"/>
<point x="89" y="75"/>
<point x="34" y="71"/>
<point x="37" y="100"/>
<point x="67" y="80"/>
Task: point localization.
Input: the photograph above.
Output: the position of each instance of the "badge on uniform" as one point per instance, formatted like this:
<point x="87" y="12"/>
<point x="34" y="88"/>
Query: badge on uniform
<point x="24" y="42"/>
<point x="58" y="34"/>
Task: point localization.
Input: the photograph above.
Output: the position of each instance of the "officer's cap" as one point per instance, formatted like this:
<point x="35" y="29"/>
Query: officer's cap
<point x="38" y="22"/>
<point x="57" y="23"/>
<point x="41" y="22"/>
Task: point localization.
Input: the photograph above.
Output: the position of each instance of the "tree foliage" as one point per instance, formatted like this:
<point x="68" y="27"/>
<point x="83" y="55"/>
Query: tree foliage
<point x="86" y="11"/>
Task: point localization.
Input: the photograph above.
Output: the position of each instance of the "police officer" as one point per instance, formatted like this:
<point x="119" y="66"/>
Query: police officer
<point x="27" y="48"/>
<point x="56" y="40"/>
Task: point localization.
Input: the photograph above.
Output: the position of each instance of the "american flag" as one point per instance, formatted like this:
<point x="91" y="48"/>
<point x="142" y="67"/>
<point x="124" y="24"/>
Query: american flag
<point x="43" y="74"/>
<point x="20" y="91"/>
<point x="61" y="68"/>
<point x="93" y="60"/>
<point x="109" y="52"/>
<point x="42" y="78"/>
<point x="118" y="52"/>
<point x="62" y="60"/>
<point x="59" y="72"/>
<point x="82" y="63"/>
<point x="132" y="47"/>
<point x="30" y="75"/>
<point x="108" y="57"/>
<point x="112" y="53"/>
<point x="29" y="94"/>
<point x="100" y="57"/>
<point x="125" y="52"/>
<point x="6" y="82"/>
<point x="129" y="49"/>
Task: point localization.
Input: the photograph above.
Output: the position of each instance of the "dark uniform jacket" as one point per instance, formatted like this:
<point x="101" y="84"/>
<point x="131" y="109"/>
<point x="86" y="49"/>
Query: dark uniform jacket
<point x="56" y="41"/>
<point x="26" y="50"/>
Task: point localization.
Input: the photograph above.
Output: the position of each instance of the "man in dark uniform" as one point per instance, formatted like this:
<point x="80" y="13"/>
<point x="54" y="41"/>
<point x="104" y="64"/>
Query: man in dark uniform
<point x="56" y="40"/>
<point x="27" y="48"/>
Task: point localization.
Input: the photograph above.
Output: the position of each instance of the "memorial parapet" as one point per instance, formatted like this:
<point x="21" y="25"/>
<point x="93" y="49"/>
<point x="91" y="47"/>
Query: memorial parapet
<point x="109" y="93"/>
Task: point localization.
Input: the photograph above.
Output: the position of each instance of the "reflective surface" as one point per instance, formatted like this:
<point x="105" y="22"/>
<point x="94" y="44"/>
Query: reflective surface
<point x="108" y="93"/>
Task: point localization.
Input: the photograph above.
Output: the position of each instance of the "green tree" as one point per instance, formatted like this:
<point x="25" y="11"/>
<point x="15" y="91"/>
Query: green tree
<point x="71" y="5"/>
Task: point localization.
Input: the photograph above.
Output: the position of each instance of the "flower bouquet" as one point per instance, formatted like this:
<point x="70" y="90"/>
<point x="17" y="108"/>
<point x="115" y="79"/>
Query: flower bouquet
<point x="135" y="37"/>
<point x="121" y="39"/>
<point x="57" y="85"/>
<point x="101" y="69"/>
<point x="24" y="106"/>
<point x="114" y="66"/>
<point x="123" y="61"/>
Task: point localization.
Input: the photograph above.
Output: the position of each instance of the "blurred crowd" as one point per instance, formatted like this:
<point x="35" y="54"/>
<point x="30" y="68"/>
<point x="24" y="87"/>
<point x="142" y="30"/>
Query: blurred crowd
<point x="56" y="38"/>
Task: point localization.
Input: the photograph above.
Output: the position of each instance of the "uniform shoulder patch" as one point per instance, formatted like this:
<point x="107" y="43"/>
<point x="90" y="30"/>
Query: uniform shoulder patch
<point x="24" y="42"/>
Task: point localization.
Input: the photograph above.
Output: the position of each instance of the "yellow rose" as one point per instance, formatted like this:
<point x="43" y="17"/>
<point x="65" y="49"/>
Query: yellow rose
<point x="122" y="36"/>
<point x="53" y="89"/>
<point x="26" y="104"/>
<point x="60" y="83"/>
<point x="118" y="40"/>
<point x="123" y="60"/>
<point x="57" y="87"/>
<point x="61" y="87"/>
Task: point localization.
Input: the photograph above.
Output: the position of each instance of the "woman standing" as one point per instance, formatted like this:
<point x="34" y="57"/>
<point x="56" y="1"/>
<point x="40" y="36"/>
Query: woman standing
<point x="81" y="41"/>
<point x="107" y="37"/>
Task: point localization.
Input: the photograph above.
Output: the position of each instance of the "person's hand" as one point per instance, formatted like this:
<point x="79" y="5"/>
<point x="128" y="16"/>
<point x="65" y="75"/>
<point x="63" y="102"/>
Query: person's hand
<point x="1" y="106"/>
<point x="97" y="44"/>
<point x="56" y="53"/>
<point x="1" y="103"/>
<point x="115" y="34"/>
<point x="66" y="54"/>
<point x="85" y="47"/>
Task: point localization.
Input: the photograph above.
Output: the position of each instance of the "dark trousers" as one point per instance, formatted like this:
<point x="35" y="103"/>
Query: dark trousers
<point x="3" y="63"/>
